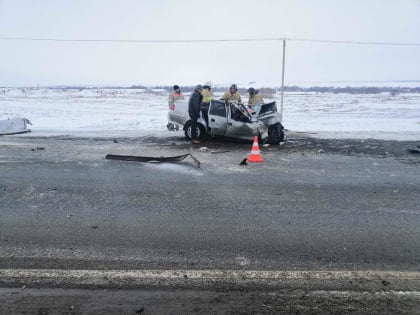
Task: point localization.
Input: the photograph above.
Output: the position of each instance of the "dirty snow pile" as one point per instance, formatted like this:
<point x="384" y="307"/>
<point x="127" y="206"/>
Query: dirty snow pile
<point x="131" y="112"/>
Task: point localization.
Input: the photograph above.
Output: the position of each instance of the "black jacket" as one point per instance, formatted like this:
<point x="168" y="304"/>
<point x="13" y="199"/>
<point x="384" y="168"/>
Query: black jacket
<point x="194" y="104"/>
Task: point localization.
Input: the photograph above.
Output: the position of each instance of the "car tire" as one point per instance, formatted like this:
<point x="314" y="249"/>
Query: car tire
<point x="201" y="132"/>
<point x="275" y="134"/>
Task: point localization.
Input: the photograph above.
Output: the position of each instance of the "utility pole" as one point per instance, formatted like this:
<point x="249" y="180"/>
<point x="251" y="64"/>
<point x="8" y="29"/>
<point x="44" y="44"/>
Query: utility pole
<point x="282" y="80"/>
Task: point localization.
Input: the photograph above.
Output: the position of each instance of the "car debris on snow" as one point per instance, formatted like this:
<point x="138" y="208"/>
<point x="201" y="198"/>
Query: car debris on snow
<point x="14" y="126"/>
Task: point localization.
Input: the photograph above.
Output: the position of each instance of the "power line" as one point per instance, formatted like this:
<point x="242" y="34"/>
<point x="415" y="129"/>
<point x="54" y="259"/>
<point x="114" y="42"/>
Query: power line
<point x="174" y="41"/>
<point x="352" y="42"/>
<point x="357" y="81"/>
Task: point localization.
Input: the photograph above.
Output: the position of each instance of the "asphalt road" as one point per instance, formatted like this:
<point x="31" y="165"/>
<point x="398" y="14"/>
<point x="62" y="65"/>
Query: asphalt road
<point x="311" y="205"/>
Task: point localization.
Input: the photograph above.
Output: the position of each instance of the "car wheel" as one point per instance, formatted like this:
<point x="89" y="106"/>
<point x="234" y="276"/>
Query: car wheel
<point x="201" y="132"/>
<point x="275" y="134"/>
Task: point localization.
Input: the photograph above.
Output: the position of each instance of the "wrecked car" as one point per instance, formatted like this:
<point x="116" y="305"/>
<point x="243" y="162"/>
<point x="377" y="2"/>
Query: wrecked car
<point x="231" y="120"/>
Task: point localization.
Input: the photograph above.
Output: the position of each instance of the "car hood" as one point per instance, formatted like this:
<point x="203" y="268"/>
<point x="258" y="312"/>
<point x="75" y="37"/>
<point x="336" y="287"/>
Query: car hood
<point x="267" y="108"/>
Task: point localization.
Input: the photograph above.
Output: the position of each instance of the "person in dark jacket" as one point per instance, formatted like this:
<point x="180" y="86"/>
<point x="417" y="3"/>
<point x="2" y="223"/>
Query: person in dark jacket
<point x="194" y="109"/>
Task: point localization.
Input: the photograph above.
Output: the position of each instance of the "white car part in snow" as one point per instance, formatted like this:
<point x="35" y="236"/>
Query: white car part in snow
<point x="14" y="126"/>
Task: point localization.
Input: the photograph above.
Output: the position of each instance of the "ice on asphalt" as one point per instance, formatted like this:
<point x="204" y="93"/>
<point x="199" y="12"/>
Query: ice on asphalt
<point x="103" y="112"/>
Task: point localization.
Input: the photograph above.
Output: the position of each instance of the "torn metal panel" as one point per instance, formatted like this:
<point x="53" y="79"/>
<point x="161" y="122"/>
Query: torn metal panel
<point x="168" y="159"/>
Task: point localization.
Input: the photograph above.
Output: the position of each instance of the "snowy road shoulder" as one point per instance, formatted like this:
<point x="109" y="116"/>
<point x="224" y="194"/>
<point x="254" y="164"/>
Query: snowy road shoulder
<point x="405" y="282"/>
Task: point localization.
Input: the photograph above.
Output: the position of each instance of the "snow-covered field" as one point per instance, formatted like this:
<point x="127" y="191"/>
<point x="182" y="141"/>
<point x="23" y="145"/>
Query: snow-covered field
<point x="108" y="112"/>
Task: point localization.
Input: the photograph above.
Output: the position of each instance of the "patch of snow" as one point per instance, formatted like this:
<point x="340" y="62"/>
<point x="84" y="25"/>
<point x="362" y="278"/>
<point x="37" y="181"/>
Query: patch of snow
<point x="133" y="112"/>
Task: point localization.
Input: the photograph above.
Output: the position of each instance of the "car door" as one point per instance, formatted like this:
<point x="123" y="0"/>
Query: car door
<point x="179" y="112"/>
<point x="240" y="124"/>
<point x="217" y="118"/>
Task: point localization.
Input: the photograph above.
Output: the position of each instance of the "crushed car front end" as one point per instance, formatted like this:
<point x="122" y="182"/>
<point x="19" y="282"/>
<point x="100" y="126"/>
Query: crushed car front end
<point x="269" y="123"/>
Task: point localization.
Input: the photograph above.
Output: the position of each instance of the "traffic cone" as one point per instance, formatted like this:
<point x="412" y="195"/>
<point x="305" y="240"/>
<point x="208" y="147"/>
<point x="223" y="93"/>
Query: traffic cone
<point x="255" y="156"/>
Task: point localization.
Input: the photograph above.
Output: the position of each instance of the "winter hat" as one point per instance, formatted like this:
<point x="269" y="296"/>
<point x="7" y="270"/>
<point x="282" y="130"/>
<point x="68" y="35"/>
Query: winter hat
<point x="199" y="87"/>
<point x="176" y="87"/>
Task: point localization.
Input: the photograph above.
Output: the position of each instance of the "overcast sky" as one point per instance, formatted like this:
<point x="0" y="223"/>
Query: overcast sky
<point x="29" y="63"/>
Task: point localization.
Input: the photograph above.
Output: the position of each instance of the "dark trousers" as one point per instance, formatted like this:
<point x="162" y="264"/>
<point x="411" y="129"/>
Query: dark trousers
<point x="194" y="126"/>
<point x="205" y="112"/>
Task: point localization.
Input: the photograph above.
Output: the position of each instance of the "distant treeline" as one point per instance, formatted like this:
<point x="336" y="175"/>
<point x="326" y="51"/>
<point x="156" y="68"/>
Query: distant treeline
<point x="319" y="89"/>
<point x="263" y="90"/>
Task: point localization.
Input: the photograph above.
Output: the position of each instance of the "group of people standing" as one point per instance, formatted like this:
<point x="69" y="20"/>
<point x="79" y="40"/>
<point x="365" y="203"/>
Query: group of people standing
<point x="233" y="95"/>
<point x="200" y="99"/>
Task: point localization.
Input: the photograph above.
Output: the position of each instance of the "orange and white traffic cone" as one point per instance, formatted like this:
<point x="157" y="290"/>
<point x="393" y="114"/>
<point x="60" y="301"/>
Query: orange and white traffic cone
<point x="255" y="156"/>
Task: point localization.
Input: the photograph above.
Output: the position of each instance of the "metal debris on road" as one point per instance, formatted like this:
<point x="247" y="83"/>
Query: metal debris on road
<point x="414" y="151"/>
<point x="162" y="159"/>
<point x="217" y="152"/>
